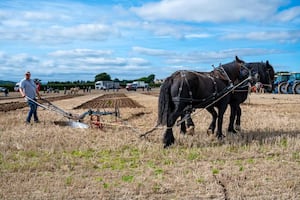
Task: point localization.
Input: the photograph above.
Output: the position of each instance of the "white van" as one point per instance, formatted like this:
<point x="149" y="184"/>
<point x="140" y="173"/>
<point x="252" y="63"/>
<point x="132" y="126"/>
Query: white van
<point x="17" y="86"/>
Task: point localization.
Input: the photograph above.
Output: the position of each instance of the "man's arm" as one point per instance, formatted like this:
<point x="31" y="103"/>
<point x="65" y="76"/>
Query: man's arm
<point x="22" y="92"/>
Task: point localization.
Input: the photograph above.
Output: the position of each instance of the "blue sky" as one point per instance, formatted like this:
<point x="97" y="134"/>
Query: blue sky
<point x="62" y="40"/>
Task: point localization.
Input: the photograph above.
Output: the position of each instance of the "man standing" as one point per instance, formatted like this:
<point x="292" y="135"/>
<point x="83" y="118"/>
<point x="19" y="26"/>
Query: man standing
<point x="28" y="89"/>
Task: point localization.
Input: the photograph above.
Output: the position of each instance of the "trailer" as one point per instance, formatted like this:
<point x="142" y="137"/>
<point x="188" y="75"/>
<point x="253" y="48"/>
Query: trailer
<point x="106" y="85"/>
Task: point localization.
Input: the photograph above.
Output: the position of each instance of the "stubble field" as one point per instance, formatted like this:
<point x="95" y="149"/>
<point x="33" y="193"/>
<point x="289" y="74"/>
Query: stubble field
<point x="46" y="161"/>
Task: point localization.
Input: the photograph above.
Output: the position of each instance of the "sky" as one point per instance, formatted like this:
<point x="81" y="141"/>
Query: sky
<point x="69" y="40"/>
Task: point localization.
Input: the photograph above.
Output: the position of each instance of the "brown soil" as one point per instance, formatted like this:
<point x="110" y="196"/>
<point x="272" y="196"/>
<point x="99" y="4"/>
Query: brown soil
<point x="111" y="100"/>
<point x="18" y="105"/>
<point x="152" y="93"/>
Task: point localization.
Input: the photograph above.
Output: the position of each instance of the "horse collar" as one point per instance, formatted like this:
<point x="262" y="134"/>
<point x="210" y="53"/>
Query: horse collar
<point x="221" y="74"/>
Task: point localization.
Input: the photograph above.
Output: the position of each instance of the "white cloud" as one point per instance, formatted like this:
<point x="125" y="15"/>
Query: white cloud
<point x="198" y="35"/>
<point x="138" y="62"/>
<point x="72" y="62"/>
<point x="208" y="10"/>
<point x="211" y="57"/>
<point x="15" y="23"/>
<point x="75" y="53"/>
<point x="196" y="57"/>
<point x="44" y="16"/>
<point x="66" y="37"/>
<point x="281" y="36"/>
<point x="59" y="34"/>
<point x="152" y="52"/>
<point x="288" y="14"/>
<point x="87" y="31"/>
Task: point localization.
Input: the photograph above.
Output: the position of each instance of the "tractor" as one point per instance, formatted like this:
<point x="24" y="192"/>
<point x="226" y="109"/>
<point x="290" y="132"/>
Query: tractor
<point x="280" y="83"/>
<point x="293" y="84"/>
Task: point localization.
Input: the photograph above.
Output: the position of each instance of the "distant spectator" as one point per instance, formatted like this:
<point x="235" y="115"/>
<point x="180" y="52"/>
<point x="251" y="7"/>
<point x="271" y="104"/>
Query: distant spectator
<point x="38" y="85"/>
<point x="6" y="92"/>
<point x="259" y="87"/>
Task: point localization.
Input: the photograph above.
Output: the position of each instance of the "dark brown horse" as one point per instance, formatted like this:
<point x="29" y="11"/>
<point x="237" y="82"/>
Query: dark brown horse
<point x="261" y="72"/>
<point x="265" y="76"/>
<point x="185" y="91"/>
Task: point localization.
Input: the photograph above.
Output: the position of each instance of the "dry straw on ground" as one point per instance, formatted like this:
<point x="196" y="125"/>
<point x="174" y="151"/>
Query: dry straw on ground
<point x="45" y="161"/>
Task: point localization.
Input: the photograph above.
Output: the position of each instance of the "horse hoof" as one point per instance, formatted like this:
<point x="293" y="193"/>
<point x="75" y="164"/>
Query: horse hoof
<point x="210" y="132"/>
<point x="233" y="131"/>
<point x="221" y="137"/>
<point x="190" y="130"/>
<point x="238" y="127"/>
<point x="168" y="144"/>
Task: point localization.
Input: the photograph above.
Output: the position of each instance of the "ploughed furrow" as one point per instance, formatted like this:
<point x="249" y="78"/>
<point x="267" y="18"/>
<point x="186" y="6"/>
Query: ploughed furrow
<point x="5" y="107"/>
<point x="111" y="100"/>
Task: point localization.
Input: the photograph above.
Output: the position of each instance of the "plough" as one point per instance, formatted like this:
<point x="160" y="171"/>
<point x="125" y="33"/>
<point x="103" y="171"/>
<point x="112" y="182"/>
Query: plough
<point x="76" y="121"/>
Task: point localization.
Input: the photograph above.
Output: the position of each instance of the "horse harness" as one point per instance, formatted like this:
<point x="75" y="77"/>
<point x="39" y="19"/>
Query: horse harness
<point x="218" y="73"/>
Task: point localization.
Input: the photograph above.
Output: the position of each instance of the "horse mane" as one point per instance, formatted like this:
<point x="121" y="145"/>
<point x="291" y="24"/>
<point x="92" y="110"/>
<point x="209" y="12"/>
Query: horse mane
<point x="230" y="70"/>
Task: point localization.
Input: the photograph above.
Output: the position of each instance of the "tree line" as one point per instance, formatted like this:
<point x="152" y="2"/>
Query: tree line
<point x="106" y="77"/>
<point x="83" y="84"/>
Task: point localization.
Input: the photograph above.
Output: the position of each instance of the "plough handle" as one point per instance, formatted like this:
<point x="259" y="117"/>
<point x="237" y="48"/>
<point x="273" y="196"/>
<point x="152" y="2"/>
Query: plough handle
<point x="53" y="108"/>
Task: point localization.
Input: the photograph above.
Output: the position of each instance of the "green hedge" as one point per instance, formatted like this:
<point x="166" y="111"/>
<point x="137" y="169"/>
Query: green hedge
<point x="10" y="87"/>
<point x="61" y="86"/>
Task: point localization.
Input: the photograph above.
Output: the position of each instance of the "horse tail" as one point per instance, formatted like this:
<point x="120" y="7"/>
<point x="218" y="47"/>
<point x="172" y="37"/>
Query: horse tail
<point x="164" y="102"/>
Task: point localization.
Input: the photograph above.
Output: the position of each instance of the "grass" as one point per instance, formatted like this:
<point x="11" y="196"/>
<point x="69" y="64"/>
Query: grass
<point x="44" y="161"/>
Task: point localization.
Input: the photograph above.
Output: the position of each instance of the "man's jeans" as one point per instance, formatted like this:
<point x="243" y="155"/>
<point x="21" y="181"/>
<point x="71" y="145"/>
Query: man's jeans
<point x="33" y="108"/>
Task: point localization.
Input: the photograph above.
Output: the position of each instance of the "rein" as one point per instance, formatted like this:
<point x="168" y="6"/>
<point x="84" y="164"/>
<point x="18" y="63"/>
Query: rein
<point x="230" y="89"/>
<point x="211" y="75"/>
<point x="218" y="99"/>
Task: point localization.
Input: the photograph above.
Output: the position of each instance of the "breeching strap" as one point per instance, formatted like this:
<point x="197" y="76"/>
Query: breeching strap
<point x="215" y="101"/>
<point x="189" y="116"/>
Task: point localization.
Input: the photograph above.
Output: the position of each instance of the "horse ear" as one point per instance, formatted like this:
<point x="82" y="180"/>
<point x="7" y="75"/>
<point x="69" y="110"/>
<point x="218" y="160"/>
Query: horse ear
<point x="238" y="60"/>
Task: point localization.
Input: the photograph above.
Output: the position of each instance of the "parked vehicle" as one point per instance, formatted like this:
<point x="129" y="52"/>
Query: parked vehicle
<point x="131" y="86"/>
<point x="4" y="90"/>
<point x="293" y="84"/>
<point x="140" y="84"/>
<point x="17" y="86"/>
<point x="105" y="85"/>
<point x="280" y="83"/>
<point x="287" y="83"/>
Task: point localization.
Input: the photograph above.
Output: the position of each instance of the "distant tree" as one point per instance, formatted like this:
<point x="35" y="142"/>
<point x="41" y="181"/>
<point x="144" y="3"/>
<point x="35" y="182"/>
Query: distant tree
<point x="143" y="79"/>
<point x="150" y="78"/>
<point x="116" y="80"/>
<point x="102" y="77"/>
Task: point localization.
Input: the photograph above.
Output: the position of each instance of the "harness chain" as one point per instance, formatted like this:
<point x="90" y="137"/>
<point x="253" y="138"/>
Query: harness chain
<point x="230" y="89"/>
<point x="200" y="110"/>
